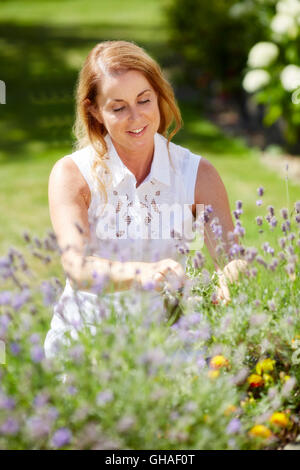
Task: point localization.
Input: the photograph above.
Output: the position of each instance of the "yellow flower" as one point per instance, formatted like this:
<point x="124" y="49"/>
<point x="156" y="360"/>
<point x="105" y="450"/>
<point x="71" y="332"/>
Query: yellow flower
<point x="218" y="361"/>
<point x="259" y="430"/>
<point x="230" y="409"/>
<point x="255" y="380"/>
<point x="266" y="365"/>
<point x="280" y="419"/>
<point x="267" y="379"/>
<point x="286" y="378"/>
<point x="213" y="374"/>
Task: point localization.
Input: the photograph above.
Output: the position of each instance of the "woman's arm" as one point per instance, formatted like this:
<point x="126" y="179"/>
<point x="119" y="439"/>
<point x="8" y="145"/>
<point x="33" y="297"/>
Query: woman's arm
<point x="210" y="190"/>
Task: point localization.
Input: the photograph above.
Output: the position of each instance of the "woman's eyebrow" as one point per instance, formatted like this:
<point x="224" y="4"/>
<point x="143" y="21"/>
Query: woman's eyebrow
<point x="144" y="91"/>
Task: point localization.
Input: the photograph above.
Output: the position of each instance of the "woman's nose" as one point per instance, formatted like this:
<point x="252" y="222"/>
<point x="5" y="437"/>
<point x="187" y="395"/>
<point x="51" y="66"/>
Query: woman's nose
<point x="134" y="113"/>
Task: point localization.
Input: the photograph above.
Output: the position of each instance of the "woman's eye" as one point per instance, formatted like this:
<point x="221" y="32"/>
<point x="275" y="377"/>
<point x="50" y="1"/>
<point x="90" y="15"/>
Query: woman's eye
<point x="119" y="109"/>
<point x="123" y="107"/>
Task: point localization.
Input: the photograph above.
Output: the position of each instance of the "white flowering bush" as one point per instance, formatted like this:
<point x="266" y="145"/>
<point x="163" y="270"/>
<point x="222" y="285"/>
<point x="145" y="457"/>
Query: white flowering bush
<point x="199" y="374"/>
<point x="273" y="67"/>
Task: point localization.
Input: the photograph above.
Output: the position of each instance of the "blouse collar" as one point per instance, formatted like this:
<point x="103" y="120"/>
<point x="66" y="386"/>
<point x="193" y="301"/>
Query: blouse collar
<point x="160" y="167"/>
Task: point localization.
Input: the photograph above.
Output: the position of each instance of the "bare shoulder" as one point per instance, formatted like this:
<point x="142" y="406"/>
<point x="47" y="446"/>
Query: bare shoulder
<point x="209" y="184"/>
<point x="66" y="175"/>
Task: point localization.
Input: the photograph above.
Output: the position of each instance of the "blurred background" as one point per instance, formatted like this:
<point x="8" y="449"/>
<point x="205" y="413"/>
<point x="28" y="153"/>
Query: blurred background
<point x="235" y="68"/>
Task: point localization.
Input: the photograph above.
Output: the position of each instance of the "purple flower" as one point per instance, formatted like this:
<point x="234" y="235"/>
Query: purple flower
<point x="253" y="272"/>
<point x="272" y="305"/>
<point x="76" y="353"/>
<point x="217" y="230"/>
<point x="297" y="206"/>
<point x="125" y="423"/>
<point x="234" y="250"/>
<point x="38" y="427"/>
<point x="48" y="292"/>
<point x="273" y="222"/>
<point x="4" y="321"/>
<point x="72" y="390"/>
<point x="37" y="353"/>
<point x="149" y="285"/>
<point x="15" y="348"/>
<point x="104" y="397"/>
<point x="274" y="264"/>
<point x="26" y="237"/>
<point x="282" y="242"/>
<point x="291" y="236"/>
<point x="35" y="338"/>
<point x="6" y="403"/>
<point x="237" y="213"/>
<point x="259" y="220"/>
<point x="239" y="230"/>
<point x="259" y="202"/>
<point x="271" y="210"/>
<point x="261" y="261"/>
<point x="41" y="399"/>
<point x="61" y="437"/>
<point x="260" y="191"/>
<point x="10" y="426"/>
<point x="99" y="282"/>
<point x="290" y="268"/>
<point x="4" y="263"/>
<point x="5" y="298"/>
<point x="284" y="213"/>
<point x="234" y="426"/>
<point x="201" y="362"/>
<point x="194" y="318"/>
<point x="20" y="299"/>
<point x="251" y="254"/>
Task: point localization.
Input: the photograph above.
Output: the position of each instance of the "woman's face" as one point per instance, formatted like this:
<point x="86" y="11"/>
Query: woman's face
<point x="128" y="108"/>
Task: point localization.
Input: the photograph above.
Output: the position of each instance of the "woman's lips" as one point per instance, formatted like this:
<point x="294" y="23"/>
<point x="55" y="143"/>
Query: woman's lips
<point x="138" y="134"/>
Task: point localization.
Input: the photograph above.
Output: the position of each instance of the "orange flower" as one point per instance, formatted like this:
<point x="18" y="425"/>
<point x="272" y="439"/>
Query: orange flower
<point x="255" y="380"/>
<point x="259" y="430"/>
<point x="218" y="361"/>
<point x="230" y="409"/>
<point x="280" y="419"/>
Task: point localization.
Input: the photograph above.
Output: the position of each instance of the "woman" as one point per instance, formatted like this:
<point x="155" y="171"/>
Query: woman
<point x="114" y="186"/>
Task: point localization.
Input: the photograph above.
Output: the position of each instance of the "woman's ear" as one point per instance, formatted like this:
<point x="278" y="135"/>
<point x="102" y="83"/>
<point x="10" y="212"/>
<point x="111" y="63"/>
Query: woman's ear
<point x="93" y="110"/>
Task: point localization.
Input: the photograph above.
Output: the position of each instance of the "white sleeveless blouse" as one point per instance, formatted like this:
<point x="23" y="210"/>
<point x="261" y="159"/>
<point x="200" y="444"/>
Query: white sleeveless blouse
<point x="145" y="223"/>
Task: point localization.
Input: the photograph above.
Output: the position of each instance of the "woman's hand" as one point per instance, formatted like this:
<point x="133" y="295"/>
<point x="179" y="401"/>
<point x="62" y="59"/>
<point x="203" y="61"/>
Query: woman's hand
<point x="231" y="273"/>
<point x="164" y="273"/>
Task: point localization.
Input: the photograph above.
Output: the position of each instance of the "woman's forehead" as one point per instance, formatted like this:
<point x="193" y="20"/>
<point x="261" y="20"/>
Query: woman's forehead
<point x="122" y="86"/>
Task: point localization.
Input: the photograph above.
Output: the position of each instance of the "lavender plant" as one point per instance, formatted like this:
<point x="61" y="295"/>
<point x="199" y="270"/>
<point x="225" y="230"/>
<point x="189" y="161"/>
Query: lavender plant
<point x="200" y="374"/>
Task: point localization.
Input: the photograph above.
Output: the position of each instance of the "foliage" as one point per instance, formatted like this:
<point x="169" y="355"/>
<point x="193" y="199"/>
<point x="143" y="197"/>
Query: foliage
<point x="218" y="377"/>
<point x="213" y="41"/>
<point x="273" y="72"/>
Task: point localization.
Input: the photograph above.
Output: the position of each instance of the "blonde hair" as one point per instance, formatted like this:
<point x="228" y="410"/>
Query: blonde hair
<point x="110" y="57"/>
